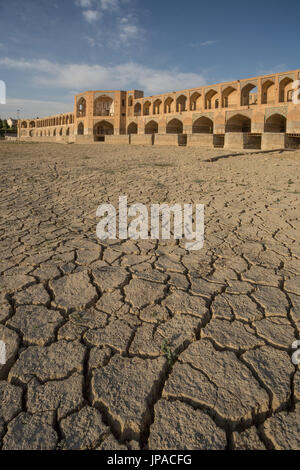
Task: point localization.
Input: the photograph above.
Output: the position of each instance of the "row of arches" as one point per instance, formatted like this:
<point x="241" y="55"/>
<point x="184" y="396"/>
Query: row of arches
<point x="55" y="121"/>
<point x="228" y="98"/>
<point x="205" y="125"/>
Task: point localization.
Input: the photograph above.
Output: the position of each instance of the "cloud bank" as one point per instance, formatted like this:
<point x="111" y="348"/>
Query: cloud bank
<point x="44" y="73"/>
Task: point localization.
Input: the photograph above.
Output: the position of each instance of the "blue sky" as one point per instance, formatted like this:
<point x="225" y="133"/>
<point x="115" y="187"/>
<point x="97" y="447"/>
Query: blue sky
<point x="52" y="49"/>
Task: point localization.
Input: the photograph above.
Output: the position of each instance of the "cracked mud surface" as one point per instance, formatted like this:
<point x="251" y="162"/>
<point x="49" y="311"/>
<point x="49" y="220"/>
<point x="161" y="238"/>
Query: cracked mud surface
<point x="142" y="344"/>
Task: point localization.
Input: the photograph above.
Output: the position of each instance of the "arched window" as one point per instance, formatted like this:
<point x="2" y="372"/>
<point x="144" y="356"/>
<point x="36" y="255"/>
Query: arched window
<point x="81" y="107"/>
<point x="137" y="109"/>
<point x="103" y="106"/>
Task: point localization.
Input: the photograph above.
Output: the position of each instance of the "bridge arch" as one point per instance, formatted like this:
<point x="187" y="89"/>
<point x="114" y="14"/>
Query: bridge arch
<point x="175" y="126"/>
<point x="238" y="123"/>
<point x="275" y="123"/>
<point x="151" y="127"/>
<point x="132" y="128"/>
<point x="203" y="125"/>
<point x="80" y="128"/>
<point x="103" y="128"/>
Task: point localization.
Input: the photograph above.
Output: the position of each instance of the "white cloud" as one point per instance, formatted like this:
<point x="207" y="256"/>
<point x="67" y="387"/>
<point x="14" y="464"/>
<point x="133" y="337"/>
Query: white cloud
<point x="98" y="77"/>
<point x="109" y="4"/>
<point x="204" y="43"/>
<point x="91" y="15"/>
<point x="93" y="9"/>
<point x="33" y="108"/>
<point x="127" y="29"/>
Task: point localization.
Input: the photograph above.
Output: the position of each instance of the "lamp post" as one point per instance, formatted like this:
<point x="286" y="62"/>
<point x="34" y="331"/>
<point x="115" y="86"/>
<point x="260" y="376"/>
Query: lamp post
<point x="18" y="119"/>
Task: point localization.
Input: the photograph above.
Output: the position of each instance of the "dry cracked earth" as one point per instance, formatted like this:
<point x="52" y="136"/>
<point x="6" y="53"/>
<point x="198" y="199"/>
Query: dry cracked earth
<point x="142" y="344"/>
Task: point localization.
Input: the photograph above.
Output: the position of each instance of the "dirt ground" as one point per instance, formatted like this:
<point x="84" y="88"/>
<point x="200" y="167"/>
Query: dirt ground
<point x="142" y="344"/>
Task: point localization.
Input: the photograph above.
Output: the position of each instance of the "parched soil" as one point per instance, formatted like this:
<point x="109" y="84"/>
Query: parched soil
<point x="142" y="344"/>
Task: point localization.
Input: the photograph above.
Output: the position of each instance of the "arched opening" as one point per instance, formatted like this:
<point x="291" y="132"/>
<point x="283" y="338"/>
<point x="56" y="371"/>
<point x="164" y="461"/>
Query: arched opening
<point x="195" y="101"/>
<point x="151" y="127"/>
<point x="181" y="104"/>
<point x="68" y="131"/>
<point x="137" y="109"/>
<point x="48" y="132"/>
<point x="32" y="124"/>
<point x="67" y="120"/>
<point x="174" y="127"/>
<point x="130" y="101"/>
<point x="54" y="133"/>
<point x="156" y="106"/>
<point x="229" y="97"/>
<point x="249" y="94"/>
<point x="24" y="125"/>
<point x="61" y="132"/>
<point x="286" y="90"/>
<point x="80" y="129"/>
<point x="268" y="92"/>
<point x="146" y="108"/>
<point x="275" y="123"/>
<point x="169" y="103"/>
<point x="203" y="125"/>
<point x="238" y="123"/>
<point x="81" y="108"/>
<point x="132" y="128"/>
<point x="103" y="106"/>
<point x="30" y="133"/>
<point x="103" y="128"/>
<point x="210" y="99"/>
